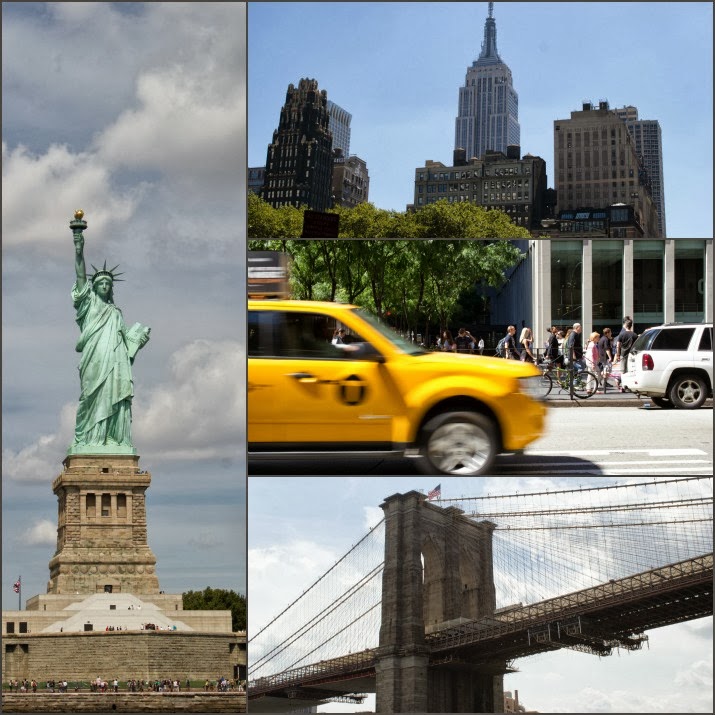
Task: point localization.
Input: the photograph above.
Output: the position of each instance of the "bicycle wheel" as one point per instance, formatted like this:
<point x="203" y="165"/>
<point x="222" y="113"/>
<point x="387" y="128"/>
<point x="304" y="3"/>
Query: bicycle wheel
<point x="585" y="384"/>
<point x="546" y="383"/>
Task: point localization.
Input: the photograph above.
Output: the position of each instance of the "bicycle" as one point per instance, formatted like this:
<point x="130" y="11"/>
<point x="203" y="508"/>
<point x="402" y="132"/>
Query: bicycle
<point x="580" y="382"/>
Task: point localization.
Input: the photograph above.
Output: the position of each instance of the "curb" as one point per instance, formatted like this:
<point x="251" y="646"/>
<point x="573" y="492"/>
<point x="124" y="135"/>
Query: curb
<point x="615" y="402"/>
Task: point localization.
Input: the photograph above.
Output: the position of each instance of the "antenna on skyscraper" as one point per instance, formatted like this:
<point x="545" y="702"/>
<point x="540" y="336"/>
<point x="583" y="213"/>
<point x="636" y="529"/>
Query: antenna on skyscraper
<point x="491" y="9"/>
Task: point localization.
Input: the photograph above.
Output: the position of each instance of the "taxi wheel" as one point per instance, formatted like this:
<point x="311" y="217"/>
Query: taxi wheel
<point x="463" y="443"/>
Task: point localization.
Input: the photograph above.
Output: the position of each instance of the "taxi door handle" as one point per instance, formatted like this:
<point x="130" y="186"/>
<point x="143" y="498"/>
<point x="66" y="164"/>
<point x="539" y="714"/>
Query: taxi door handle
<point x="303" y="377"/>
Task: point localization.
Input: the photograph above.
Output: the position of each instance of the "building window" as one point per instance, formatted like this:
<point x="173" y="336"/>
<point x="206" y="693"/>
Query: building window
<point x="689" y="281"/>
<point x="647" y="283"/>
<point x="90" y="506"/>
<point x="10" y="627"/>
<point x="106" y="504"/>
<point x="23" y="627"/>
<point x="122" y="506"/>
<point x="607" y="287"/>
<point x="566" y="282"/>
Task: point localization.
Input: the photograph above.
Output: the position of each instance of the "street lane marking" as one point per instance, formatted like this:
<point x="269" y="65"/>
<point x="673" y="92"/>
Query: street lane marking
<point x="685" y="452"/>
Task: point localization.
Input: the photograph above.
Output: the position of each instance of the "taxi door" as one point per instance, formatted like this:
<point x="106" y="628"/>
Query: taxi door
<point x="306" y="391"/>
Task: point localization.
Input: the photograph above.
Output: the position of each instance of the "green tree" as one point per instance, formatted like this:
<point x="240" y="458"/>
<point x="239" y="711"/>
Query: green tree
<point x="218" y="599"/>
<point x="439" y="220"/>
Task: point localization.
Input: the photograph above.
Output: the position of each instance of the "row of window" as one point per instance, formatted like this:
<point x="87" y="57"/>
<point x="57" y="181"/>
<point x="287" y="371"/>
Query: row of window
<point x="105" y="505"/>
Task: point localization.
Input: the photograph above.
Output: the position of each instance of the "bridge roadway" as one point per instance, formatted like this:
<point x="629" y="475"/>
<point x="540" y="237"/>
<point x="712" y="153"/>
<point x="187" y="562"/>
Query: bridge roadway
<point x="594" y="620"/>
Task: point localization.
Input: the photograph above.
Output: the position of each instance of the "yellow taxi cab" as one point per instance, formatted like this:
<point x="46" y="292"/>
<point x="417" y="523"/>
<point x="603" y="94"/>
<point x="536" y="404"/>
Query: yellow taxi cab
<point x="371" y="393"/>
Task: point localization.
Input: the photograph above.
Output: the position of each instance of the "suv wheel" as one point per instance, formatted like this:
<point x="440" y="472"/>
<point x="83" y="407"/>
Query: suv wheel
<point x="663" y="402"/>
<point x="688" y="392"/>
<point x="462" y="443"/>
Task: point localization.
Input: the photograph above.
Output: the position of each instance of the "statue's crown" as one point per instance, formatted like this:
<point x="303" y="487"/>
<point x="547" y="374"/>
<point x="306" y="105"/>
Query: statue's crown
<point x="106" y="272"/>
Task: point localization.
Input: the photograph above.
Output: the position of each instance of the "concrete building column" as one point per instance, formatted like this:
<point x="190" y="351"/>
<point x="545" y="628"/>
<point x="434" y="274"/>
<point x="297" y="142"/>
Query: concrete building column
<point x="628" y="277"/>
<point x="669" y="282"/>
<point x="541" y="266"/>
<point x="587" y="289"/>
<point x="708" y="274"/>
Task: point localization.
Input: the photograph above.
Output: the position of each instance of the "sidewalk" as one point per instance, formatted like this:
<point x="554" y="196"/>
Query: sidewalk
<point x="612" y="398"/>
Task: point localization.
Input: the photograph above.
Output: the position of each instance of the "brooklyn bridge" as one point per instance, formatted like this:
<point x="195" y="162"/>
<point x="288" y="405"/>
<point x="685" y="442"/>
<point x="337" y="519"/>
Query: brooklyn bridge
<point x="438" y="601"/>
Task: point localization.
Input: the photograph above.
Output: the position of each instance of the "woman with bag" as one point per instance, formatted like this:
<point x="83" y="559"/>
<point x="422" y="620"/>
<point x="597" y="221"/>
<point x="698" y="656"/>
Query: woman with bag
<point x="526" y="340"/>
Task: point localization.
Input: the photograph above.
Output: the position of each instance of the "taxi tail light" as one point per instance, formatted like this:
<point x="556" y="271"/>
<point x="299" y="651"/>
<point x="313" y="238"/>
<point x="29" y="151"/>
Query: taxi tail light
<point x="647" y="362"/>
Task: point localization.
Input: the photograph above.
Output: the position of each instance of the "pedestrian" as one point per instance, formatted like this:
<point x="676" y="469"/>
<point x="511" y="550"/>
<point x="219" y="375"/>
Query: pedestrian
<point x="448" y="344"/>
<point x="624" y="344"/>
<point x="526" y="340"/>
<point x="480" y="346"/>
<point x="552" y="345"/>
<point x="464" y="341"/>
<point x="574" y="347"/>
<point x="591" y="357"/>
<point x="511" y="352"/>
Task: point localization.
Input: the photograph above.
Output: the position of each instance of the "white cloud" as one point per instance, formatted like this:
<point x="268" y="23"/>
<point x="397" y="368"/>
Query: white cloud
<point x="41" y="533"/>
<point x="698" y="675"/>
<point x="200" y="411"/>
<point x="40" y="192"/>
<point x="38" y="461"/>
<point x="299" y="563"/>
<point x="373" y="515"/>
<point x="206" y="540"/>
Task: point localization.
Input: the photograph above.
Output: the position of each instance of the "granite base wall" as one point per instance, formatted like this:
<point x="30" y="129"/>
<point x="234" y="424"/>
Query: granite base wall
<point x="124" y="703"/>
<point x="148" y="655"/>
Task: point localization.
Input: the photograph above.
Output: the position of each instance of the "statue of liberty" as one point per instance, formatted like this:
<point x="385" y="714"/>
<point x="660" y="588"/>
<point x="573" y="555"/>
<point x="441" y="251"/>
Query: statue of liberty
<point x="108" y="348"/>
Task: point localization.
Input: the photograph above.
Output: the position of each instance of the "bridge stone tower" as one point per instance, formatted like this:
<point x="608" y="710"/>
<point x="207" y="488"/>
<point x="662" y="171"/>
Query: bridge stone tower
<point x="456" y="583"/>
<point x="101" y="527"/>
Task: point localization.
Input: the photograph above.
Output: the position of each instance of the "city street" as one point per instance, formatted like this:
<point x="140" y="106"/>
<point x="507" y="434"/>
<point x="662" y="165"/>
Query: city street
<point x="579" y="439"/>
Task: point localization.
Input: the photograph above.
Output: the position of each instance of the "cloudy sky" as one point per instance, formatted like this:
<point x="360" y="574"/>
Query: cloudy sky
<point x="299" y="528"/>
<point x="134" y="112"/>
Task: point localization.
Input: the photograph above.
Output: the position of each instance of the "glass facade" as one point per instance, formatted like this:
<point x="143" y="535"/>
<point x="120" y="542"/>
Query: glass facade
<point x="648" y="263"/>
<point x="607" y="283"/>
<point x="689" y="281"/>
<point x="566" y="282"/>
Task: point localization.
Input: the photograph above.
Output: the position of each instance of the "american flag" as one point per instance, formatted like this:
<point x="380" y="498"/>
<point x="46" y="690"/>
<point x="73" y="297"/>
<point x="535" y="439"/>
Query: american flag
<point x="16" y="586"/>
<point x="436" y="493"/>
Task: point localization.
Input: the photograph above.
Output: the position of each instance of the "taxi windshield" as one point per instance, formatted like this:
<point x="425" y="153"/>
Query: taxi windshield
<point x="403" y="345"/>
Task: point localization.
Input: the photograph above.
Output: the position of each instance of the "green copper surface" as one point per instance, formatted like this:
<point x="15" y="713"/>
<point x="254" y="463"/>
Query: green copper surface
<point x="108" y="348"/>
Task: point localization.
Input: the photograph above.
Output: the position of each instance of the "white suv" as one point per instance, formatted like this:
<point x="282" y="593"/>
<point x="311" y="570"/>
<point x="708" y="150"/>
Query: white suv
<point x="673" y="365"/>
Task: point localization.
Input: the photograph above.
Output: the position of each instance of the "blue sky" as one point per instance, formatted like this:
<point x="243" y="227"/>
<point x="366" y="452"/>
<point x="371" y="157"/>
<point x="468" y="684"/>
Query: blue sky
<point x="299" y="528"/>
<point x="397" y="68"/>
<point x="136" y="114"/>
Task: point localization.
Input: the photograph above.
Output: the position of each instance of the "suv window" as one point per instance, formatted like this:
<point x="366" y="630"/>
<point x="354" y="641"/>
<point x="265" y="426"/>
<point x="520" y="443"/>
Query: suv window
<point x="293" y="335"/>
<point x="706" y="340"/>
<point x="673" y="339"/>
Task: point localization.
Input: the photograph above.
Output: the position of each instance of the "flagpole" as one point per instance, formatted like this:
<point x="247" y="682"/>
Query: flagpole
<point x="19" y="593"/>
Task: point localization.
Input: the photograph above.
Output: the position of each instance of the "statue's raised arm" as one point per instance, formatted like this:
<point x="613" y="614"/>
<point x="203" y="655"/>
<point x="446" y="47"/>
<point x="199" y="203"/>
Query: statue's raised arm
<point x="108" y="350"/>
<point x="77" y="226"/>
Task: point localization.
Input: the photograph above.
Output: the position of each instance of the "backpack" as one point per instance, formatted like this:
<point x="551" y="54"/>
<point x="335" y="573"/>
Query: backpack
<point x="501" y="347"/>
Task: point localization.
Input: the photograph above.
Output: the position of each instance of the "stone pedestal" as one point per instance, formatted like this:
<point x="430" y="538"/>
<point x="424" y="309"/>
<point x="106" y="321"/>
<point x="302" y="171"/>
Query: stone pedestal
<point x="101" y="528"/>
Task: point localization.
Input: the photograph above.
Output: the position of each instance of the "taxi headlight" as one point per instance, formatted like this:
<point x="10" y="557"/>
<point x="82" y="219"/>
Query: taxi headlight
<point x="533" y="386"/>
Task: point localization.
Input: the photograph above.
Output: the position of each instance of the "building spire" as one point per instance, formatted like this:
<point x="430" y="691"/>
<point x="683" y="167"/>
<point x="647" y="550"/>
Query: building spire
<point x="489" y="46"/>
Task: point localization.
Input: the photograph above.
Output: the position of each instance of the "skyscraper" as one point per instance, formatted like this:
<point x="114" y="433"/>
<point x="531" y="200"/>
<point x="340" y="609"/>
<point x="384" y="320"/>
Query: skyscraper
<point x="488" y="112"/>
<point x="299" y="162"/>
<point x="646" y="136"/>
<point x="339" y="125"/>
<point x="596" y="164"/>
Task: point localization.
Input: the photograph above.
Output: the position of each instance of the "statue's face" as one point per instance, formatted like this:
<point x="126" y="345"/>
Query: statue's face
<point x="103" y="288"/>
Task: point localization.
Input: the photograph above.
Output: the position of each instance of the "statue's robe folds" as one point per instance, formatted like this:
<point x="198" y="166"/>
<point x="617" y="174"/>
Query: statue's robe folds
<point x="104" y="412"/>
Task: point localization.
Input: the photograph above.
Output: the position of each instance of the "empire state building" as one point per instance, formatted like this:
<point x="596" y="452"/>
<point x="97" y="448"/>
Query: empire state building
<point x="488" y="114"/>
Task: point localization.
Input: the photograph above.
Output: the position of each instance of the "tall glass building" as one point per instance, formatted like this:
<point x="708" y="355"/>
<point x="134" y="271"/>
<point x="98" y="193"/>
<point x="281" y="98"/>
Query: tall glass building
<point x="488" y="112"/>
<point x="339" y="125"/>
